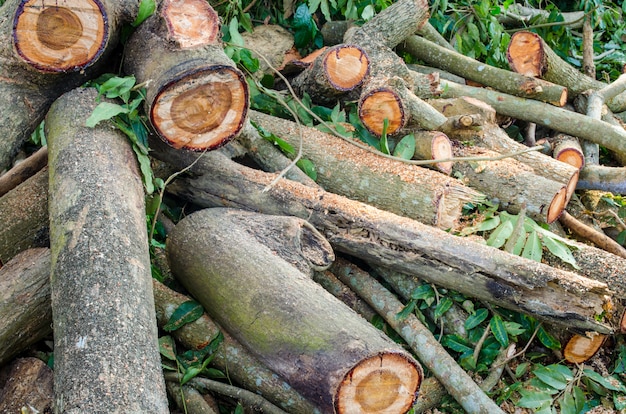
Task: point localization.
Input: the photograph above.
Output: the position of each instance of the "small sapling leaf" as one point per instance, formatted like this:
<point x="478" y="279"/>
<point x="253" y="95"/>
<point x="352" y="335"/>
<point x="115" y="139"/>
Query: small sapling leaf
<point x="186" y="312"/>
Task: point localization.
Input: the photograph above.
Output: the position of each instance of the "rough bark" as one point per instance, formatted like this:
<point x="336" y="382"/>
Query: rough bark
<point x="338" y="70"/>
<point x="106" y="350"/>
<point x="558" y="119"/>
<point x="499" y="79"/>
<point x="402" y="244"/>
<point x="24" y="217"/>
<point x="23" y="171"/>
<point x="242" y="367"/>
<point x="29" y="385"/>
<point x="196" y="99"/>
<point x="24" y="302"/>
<point x="598" y="177"/>
<point x="411" y="191"/>
<point x="188" y="399"/>
<point x="528" y="54"/>
<point x="330" y="360"/>
<point x="26" y="92"/>
<point x="512" y="184"/>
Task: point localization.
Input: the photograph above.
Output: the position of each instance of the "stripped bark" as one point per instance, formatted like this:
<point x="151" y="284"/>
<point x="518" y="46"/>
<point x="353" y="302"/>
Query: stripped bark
<point x="332" y="361"/>
<point x="196" y="97"/>
<point x="411" y="191"/>
<point x="105" y="330"/>
<point x="402" y="244"/>
<point x="24" y="302"/>
<point x="500" y="79"/>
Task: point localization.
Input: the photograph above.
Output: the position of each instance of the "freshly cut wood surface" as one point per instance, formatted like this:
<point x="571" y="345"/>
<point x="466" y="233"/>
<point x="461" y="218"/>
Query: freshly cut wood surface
<point x="433" y="145"/>
<point x="60" y="35"/>
<point x="567" y="149"/>
<point x="196" y="99"/>
<point x="300" y="331"/>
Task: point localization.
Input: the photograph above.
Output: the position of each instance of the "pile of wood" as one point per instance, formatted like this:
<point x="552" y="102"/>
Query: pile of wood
<point x="257" y="252"/>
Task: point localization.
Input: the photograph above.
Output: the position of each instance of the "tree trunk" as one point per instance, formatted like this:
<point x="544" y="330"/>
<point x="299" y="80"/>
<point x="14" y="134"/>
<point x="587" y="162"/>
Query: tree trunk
<point x="196" y="99"/>
<point x="106" y="349"/>
<point x="231" y="357"/>
<point x="40" y="60"/>
<point x="411" y="191"/>
<point x="529" y="54"/>
<point x="338" y="70"/>
<point x="402" y="244"/>
<point x="24" y="217"/>
<point x="342" y="363"/>
<point x="499" y="79"/>
<point x="24" y="302"/>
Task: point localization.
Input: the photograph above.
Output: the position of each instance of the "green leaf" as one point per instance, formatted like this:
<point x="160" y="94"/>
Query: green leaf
<point x="407" y="310"/>
<point x="534" y="399"/>
<point x="146" y="8"/>
<point x="384" y="145"/>
<point x="117" y="87"/>
<point x="190" y="373"/>
<point x="185" y="313"/>
<point x="304" y="26"/>
<point x="499" y="331"/>
<point x="239" y="409"/>
<point x="560" y="250"/>
<point x="499" y="236"/>
<point x="146" y="169"/>
<point x="233" y="31"/>
<point x="579" y="398"/>
<point x="167" y="347"/>
<point x="307" y="167"/>
<point x="514" y="328"/>
<point x="104" y="111"/>
<point x="551" y="377"/>
<point x="368" y="12"/>
<point x="610" y="382"/>
<point x="442" y="307"/>
<point x="521" y="369"/>
<point x="248" y="61"/>
<point x="423" y="291"/>
<point x="405" y="149"/>
<point x="547" y="340"/>
<point x="456" y="343"/>
<point x="476" y="318"/>
<point x="532" y="248"/>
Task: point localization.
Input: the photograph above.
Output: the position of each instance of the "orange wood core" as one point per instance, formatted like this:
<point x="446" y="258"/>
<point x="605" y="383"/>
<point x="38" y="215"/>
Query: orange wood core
<point x="60" y="35"/>
<point x="526" y="54"/>
<point x="346" y="67"/>
<point x="378" y="106"/>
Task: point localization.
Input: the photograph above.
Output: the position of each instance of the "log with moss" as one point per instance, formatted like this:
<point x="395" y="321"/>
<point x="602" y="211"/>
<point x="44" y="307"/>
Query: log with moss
<point x="196" y="99"/>
<point x="403" y="244"/>
<point x="47" y="48"/>
<point x="106" y="355"/>
<point x="318" y="344"/>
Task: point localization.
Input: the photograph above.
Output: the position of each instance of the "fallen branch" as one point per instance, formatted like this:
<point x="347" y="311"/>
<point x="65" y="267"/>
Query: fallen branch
<point x="23" y="171"/>
<point x="599" y="239"/>
<point x="456" y="381"/>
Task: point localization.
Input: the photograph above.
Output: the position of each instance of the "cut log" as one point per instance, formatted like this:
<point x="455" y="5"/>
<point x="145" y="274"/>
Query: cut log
<point x="23" y="171"/>
<point x="529" y="54"/>
<point x="599" y="177"/>
<point x="29" y="385"/>
<point x="341" y="363"/>
<point x="231" y="357"/>
<point x="499" y="79"/>
<point x="512" y="184"/>
<point x="105" y="334"/>
<point x="390" y="99"/>
<point x="434" y="145"/>
<point x="338" y="70"/>
<point x="196" y="97"/>
<point x="411" y="191"/>
<point x="495" y="138"/>
<point x="25" y="92"/>
<point x="402" y="244"/>
<point x="24" y="217"/>
<point x="567" y="149"/>
<point x="580" y="348"/>
<point x="24" y="302"/>
<point x="61" y="35"/>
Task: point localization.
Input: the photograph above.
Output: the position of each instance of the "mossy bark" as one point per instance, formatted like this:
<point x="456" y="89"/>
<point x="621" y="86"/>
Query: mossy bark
<point x="291" y="323"/>
<point x="106" y="349"/>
